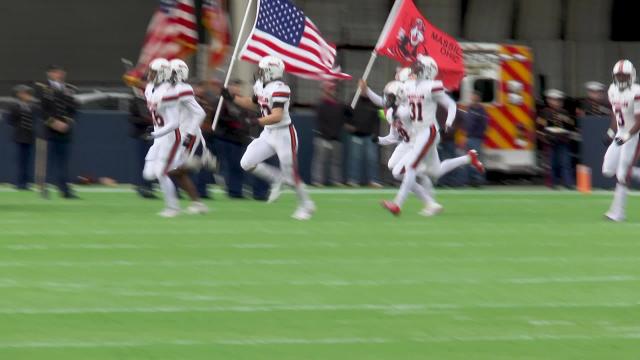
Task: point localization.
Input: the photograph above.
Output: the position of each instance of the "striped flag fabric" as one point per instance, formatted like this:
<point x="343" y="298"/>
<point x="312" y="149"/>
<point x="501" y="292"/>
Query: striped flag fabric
<point x="172" y="33"/>
<point x="215" y="20"/>
<point x="283" y="30"/>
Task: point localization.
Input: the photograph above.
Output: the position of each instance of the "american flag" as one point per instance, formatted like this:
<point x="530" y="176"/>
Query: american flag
<point x="282" y="30"/>
<point x="172" y="33"/>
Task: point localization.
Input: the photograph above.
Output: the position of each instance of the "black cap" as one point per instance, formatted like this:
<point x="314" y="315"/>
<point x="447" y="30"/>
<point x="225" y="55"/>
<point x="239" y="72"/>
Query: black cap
<point x="53" y="67"/>
<point x="22" y="88"/>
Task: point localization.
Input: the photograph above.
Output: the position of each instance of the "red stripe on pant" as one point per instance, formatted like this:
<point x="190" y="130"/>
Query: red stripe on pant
<point x="174" y="150"/>
<point x="635" y="159"/>
<point x="294" y="153"/>
<point x="427" y="146"/>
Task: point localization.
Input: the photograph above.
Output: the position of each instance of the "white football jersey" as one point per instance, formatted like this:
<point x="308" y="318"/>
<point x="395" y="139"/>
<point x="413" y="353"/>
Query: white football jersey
<point x="625" y="105"/>
<point x="191" y="113"/>
<point x="273" y="93"/>
<point x="422" y="103"/>
<point x="162" y="104"/>
<point x="401" y="121"/>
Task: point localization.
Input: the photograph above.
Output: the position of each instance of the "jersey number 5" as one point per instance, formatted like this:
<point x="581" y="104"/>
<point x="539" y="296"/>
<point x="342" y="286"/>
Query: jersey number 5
<point x="264" y="110"/>
<point x="416" y="111"/>
<point x="619" y="116"/>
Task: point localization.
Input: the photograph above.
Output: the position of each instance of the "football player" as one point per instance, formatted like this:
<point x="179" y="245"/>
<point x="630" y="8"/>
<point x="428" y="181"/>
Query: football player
<point x="400" y="134"/>
<point x="424" y="93"/>
<point x="272" y="98"/>
<point x="624" y="96"/>
<point x="162" y="156"/>
<point x="191" y="117"/>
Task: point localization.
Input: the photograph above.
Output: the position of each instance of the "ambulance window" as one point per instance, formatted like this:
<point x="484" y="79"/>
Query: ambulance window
<point x="487" y="88"/>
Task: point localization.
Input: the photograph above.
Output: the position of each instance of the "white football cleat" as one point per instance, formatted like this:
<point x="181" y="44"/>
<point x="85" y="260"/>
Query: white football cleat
<point x="304" y="212"/>
<point x="197" y="208"/>
<point x="614" y="217"/>
<point x="432" y="209"/>
<point x="169" y="213"/>
<point x="276" y="191"/>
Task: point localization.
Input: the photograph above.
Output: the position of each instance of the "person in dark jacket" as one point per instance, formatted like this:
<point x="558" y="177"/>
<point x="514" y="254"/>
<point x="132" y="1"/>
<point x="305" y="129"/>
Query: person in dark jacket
<point x="327" y="144"/>
<point x="22" y="116"/>
<point x="556" y="127"/>
<point x="475" y="123"/>
<point x="58" y="110"/>
<point x="362" y="162"/>
<point x="140" y="120"/>
<point x="231" y="139"/>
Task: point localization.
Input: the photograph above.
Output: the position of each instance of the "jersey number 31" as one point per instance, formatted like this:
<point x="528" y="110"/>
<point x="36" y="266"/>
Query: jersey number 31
<point x="416" y="111"/>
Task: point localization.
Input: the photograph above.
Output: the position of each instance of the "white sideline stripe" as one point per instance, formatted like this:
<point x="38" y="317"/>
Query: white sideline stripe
<point x="56" y="285"/>
<point x="250" y="246"/>
<point x="508" y="191"/>
<point x="308" y="341"/>
<point x="306" y="307"/>
<point x="301" y="262"/>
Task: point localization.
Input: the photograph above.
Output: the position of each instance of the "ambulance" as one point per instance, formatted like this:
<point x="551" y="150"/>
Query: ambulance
<point x="503" y="75"/>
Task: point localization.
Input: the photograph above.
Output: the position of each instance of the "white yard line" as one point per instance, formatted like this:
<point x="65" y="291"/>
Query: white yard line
<point x="311" y="341"/>
<point x="490" y="191"/>
<point x="395" y="308"/>
<point x="332" y="261"/>
<point x="124" y="286"/>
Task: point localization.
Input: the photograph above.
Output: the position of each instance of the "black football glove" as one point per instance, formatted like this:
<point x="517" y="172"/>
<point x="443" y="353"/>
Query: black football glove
<point x="146" y="136"/>
<point x="375" y="139"/>
<point x="227" y="95"/>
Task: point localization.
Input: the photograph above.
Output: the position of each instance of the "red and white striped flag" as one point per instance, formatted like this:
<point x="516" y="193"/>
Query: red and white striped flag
<point x="282" y="30"/>
<point x="172" y="33"/>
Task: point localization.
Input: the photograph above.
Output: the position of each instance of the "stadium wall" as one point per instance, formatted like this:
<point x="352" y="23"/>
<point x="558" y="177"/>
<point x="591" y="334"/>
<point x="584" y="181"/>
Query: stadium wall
<point x="102" y="147"/>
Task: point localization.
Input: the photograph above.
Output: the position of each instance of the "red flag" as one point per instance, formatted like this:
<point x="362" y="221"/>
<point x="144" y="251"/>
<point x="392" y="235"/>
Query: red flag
<point x="407" y="33"/>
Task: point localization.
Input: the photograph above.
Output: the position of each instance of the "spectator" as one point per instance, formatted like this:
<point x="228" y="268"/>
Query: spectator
<point x="231" y="138"/>
<point x="327" y="144"/>
<point x="140" y="120"/>
<point x="556" y="126"/>
<point x="362" y="159"/>
<point x="58" y="110"/>
<point x="21" y="116"/>
<point x="475" y="123"/>
<point x="596" y="102"/>
<point x="447" y="148"/>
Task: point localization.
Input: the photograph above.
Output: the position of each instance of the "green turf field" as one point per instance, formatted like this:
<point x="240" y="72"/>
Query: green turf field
<point x="499" y="275"/>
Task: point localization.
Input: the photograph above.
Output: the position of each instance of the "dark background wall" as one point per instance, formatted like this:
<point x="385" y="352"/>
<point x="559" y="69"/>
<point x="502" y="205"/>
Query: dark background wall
<point x="88" y="37"/>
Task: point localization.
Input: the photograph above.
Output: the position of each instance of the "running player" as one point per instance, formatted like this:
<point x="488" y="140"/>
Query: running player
<point x="624" y="96"/>
<point x="162" y="155"/>
<point x="424" y="93"/>
<point x="272" y="99"/>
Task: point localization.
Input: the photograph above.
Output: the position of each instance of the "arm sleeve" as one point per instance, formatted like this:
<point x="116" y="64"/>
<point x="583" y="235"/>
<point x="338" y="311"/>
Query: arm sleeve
<point x="444" y="100"/>
<point x="194" y="110"/>
<point x="280" y="94"/>
<point x="169" y="126"/>
<point x="376" y="99"/>
<point x="391" y="139"/>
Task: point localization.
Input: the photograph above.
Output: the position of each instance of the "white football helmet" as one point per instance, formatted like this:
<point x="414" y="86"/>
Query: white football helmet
<point x="270" y="68"/>
<point x="624" y="74"/>
<point x="425" y="68"/>
<point x="403" y="74"/>
<point x="159" y="71"/>
<point x="394" y="94"/>
<point x="179" y="70"/>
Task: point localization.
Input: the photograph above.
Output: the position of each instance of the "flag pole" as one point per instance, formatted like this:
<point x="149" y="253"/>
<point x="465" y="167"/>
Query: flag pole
<point x="232" y="63"/>
<point x="385" y="31"/>
<point x="367" y="70"/>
